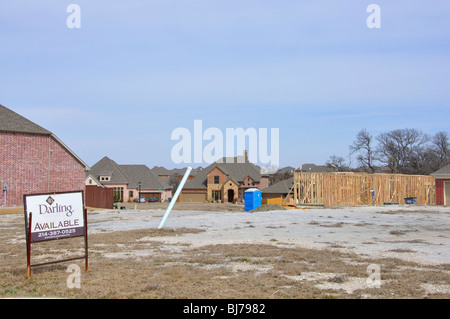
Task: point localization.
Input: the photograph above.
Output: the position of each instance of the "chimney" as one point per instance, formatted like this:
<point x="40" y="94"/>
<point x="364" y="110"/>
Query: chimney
<point x="245" y="155"/>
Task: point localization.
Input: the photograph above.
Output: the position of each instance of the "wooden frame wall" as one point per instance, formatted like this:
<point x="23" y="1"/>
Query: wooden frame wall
<point x="348" y="189"/>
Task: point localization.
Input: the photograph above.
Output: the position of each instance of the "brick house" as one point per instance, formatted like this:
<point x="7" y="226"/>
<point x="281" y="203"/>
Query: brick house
<point x="224" y="180"/>
<point x="33" y="160"/>
<point x="129" y="181"/>
<point x="442" y="182"/>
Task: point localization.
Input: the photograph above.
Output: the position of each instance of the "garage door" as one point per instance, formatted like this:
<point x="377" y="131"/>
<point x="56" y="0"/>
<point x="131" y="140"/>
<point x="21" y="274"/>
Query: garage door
<point x="192" y="197"/>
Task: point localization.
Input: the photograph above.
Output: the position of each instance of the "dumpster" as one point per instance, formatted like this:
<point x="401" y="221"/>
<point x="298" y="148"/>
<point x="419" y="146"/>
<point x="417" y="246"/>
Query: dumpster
<point x="252" y="198"/>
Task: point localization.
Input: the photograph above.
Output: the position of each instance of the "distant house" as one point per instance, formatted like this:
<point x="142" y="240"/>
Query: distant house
<point x="442" y="182"/>
<point x="166" y="174"/>
<point x="33" y="160"/>
<point x="129" y="181"/>
<point x="225" y="180"/>
<point x="313" y="168"/>
<point x="161" y="172"/>
<point x="280" y="189"/>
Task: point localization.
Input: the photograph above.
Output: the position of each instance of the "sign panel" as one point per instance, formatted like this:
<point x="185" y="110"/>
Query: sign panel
<point x="55" y="216"/>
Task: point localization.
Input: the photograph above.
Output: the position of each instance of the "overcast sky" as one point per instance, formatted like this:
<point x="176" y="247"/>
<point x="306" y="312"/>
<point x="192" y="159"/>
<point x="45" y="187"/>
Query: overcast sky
<point x="136" y="70"/>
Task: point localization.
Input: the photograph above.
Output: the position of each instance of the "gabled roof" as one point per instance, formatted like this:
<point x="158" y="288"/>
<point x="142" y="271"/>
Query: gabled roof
<point x="159" y="170"/>
<point x="239" y="171"/>
<point x="96" y="181"/>
<point x="10" y="121"/>
<point x="442" y="171"/>
<point x="141" y="173"/>
<point x="229" y="179"/>
<point x="282" y="187"/>
<point x="107" y="167"/>
<point x="130" y="175"/>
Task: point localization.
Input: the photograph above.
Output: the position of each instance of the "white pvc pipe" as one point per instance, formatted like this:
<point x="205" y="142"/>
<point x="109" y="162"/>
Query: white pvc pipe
<point x="175" y="197"/>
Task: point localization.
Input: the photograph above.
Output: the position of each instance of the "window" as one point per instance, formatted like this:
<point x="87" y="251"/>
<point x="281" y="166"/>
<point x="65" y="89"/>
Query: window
<point x="130" y="194"/>
<point x="216" y="179"/>
<point x="216" y="195"/>
<point x="118" y="194"/>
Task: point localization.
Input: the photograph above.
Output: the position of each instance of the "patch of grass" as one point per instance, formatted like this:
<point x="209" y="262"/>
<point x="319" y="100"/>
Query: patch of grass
<point x="267" y="207"/>
<point x="337" y="225"/>
<point x="340" y="278"/>
<point x="400" y="250"/>
<point x="397" y="232"/>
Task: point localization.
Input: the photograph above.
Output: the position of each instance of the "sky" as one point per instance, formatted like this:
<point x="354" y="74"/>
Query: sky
<point x="136" y="70"/>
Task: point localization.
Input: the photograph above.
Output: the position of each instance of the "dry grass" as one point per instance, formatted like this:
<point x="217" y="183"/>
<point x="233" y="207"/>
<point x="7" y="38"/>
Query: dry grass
<point x="137" y="264"/>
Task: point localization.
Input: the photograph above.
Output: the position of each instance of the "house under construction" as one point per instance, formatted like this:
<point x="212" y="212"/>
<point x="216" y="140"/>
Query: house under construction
<point x="348" y="189"/>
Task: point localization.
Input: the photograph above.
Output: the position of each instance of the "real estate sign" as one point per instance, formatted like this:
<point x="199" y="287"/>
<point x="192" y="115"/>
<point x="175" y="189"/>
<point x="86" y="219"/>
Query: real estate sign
<point x="55" y="216"/>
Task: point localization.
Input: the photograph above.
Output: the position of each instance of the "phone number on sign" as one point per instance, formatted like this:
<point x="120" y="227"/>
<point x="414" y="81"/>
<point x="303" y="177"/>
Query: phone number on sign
<point x="55" y="233"/>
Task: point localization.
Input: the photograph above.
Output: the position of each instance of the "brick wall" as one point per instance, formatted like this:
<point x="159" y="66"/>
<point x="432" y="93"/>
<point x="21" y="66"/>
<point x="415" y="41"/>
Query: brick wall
<point x="440" y="190"/>
<point x="27" y="167"/>
<point x="264" y="182"/>
<point x="216" y="172"/>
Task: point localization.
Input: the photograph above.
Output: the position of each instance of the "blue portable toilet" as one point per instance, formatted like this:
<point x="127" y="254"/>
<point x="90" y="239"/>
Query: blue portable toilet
<point x="252" y="198"/>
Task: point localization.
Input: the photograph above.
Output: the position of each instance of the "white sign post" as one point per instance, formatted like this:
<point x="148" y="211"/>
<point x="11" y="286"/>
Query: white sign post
<point x="175" y="197"/>
<point x="54" y="216"/>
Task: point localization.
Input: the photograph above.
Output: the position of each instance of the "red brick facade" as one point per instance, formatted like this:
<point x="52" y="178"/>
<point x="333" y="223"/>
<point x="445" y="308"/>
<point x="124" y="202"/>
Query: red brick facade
<point x="216" y="172"/>
<point x="36" y="163"/>
<point x="440" y="190"/>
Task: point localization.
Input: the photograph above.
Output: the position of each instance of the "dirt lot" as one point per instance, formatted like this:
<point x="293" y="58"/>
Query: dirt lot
<point x="219" y="251"/>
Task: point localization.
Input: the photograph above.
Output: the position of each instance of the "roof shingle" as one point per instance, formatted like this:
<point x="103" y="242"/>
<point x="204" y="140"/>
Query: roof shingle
<point x="443" y="171"/>
<point x="10" y="121"/>
<point x="127" y="174"/>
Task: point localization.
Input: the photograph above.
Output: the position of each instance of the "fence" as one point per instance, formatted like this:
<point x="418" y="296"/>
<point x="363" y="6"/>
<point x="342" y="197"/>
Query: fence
<point x="99" y="197"/>
<point x="347" y="189"/>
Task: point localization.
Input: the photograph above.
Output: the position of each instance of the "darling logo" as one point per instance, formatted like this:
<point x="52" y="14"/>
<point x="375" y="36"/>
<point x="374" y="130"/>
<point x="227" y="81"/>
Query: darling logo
<point x="49" y="209"/>
<point x="50" y="200"/>
<point x="192" y="144"/>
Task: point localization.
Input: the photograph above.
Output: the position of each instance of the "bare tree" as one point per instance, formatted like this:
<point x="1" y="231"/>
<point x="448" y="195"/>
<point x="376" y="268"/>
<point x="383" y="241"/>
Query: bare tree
<point x="364" y="147"/>
<point x="402" y="150"/>
<point x="337" y="163"/>
<point x="174" y="181"/>
<point x="440" y="147"/>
